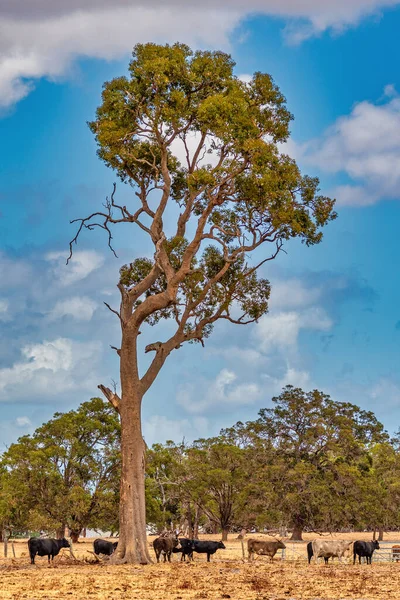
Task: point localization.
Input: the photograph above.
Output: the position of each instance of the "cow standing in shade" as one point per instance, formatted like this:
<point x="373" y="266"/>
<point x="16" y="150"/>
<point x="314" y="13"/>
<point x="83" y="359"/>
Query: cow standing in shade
<point x="366" y="549"/>
<point x="49" y="547"/>
<point x="264" y="548"/>
<point x="104" y="547"/>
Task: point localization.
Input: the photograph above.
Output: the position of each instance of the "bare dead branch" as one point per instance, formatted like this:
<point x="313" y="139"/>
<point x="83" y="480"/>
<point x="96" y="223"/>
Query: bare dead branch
<point x="111" y="396"/>
<point x="113" y="311"/>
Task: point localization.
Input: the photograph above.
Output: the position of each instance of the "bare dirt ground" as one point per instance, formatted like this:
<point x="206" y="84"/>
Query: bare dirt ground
<point x="227" y="576"/>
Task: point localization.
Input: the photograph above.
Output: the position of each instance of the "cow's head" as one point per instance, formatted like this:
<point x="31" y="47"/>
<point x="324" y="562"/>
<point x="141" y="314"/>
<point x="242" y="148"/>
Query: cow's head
<point x="280" y="544"/>
<point x="65" y="543"/>
<point x="376" y="544"/>
<point x="221" y="545"/>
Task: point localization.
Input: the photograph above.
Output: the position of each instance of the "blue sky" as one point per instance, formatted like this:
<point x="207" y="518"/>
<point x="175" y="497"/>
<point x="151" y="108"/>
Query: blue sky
<point x="334" y="320"/>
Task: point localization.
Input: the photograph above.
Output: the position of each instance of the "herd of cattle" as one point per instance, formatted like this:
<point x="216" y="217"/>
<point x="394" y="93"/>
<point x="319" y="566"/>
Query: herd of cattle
<point x="165" y="545"/>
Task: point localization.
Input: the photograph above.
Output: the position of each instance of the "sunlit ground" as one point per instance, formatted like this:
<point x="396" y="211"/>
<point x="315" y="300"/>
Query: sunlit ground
<point x="227" y="576"/>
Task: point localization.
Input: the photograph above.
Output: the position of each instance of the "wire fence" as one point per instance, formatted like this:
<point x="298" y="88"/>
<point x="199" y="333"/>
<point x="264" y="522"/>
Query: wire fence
<point x="388" y="552"/>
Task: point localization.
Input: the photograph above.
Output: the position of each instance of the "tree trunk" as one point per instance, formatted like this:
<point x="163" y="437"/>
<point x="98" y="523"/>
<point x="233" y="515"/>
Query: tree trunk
<point x="225" y="532"/>
<point x="189" y="521"/>
<point x="60" y="533"/>
<point x="74" y="534"/>
<point x="196" y="523"/>
<point x="297" y="533"/>
<point x="132" y="544"/>
<point x="380" y="535"/>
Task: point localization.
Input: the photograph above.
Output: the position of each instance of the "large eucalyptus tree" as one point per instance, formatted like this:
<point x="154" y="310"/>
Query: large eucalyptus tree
<point x="237" y="200"/>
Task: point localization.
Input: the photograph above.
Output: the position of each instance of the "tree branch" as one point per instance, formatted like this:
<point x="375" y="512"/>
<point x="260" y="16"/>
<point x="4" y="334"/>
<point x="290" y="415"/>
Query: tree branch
<point x="111" y="396"/>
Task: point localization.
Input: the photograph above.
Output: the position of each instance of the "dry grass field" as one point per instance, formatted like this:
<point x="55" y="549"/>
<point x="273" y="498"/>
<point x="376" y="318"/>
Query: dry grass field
<point x="227" y="576"/>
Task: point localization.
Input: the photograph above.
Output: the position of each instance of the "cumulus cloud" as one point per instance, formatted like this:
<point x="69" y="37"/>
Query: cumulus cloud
<point x="80" y="308"/>
<point x="291" y="376"/>
<point x="79" y="267"/>
<point x="42" y="38"/>
<point x="281" y="330"/>
<point x="223" y="392"/>
<point x="365" y="146"/>
<point x="51" y="368"/>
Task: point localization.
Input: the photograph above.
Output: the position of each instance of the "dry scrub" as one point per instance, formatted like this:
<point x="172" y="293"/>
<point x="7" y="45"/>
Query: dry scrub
<point x="227" y="576"/>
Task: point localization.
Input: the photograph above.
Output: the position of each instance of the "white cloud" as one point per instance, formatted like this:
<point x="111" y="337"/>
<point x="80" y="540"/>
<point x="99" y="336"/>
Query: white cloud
<point x="43" y="38"/>
<point x="23" y="421"/>
<point x="365" y="146"/>
<point x="291" y="376"/>
<point x="223" y="391"/>
<point x="51" y="368"/>
<point x="79" y="267"/>
<point x="281" y="330"/>
<point x="293" y="293"/>
<point x="80" y="308"/>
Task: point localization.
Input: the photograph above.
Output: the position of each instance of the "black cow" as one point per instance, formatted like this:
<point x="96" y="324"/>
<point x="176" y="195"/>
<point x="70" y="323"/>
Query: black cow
<point x="310" y="553"/>
<point x="165" y="545"/>
<point x="207" y="547"/>
<point x="103" y="547"/>
<point x="364" y="549"/>
<point x="186" y="547"/>
<point x="49" y="547"/>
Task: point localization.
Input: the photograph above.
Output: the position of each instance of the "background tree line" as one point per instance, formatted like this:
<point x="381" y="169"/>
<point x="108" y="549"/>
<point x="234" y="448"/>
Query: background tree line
<point x="306" y="463"/>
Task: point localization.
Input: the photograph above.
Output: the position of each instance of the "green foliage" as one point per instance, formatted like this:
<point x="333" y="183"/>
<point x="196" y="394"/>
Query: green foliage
<point x="236" y="191"/>
<point x="67" y="472"/>
<point x="308" y="462"/>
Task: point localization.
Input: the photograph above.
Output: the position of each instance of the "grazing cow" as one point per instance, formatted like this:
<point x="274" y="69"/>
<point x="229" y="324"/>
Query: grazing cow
<point x="310" y="553"/>
<point x="103" y="547"/>
<point x="364" y="549"/>
<point x="261" y="547"/>
<point x="396" y="553"/>
<point x="186" y="547"/>
<point x="42" y="547"/>
<point x="165" y="545"/>
<point x="207" y="547"/>
<point x="330" y="548"/>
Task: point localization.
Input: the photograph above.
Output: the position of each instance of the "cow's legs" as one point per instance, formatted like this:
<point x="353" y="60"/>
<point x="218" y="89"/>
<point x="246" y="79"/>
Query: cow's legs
<point x="208" y="557"/>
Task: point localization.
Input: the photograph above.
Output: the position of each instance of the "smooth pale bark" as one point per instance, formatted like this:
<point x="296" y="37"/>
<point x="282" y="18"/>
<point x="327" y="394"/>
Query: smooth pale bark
<point x="132" y="544"/>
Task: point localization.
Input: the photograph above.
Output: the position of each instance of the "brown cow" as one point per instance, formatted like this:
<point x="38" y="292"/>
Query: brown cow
<point x="165" y="545"/>
<point x="263" y="548"/>
<point x="396" y="553"/>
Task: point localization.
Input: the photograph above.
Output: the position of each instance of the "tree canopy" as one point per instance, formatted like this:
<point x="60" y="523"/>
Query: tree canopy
<point x="216" y="199"/>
